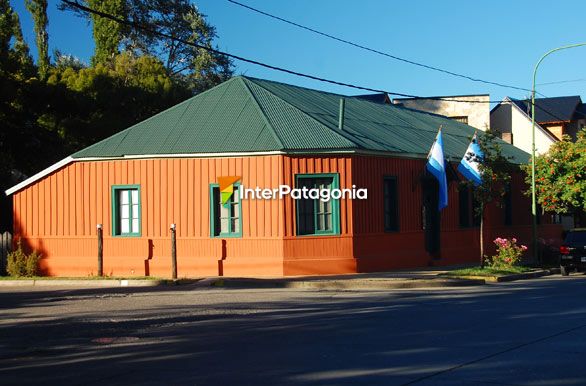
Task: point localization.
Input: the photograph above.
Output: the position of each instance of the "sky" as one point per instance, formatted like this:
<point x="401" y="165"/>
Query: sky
<point x="498" y="40"/>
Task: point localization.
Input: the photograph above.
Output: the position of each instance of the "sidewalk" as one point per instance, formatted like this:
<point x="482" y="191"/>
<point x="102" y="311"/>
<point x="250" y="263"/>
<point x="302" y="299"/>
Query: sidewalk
<point x="415" y="278"/>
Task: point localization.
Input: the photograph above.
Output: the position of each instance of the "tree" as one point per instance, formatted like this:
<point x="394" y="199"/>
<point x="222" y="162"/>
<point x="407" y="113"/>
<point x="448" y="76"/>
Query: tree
<point x="25" y="146"/>
<point x="107" y="33"/>
<point x="198" y="68"/>
<point x="92" y="103"/>
<point x="15" y="60"/>
<point x="182" y="20"/>
<point x="560" y="176"/>
<point x="38" y="10"/>
<point x="495" y="170"/>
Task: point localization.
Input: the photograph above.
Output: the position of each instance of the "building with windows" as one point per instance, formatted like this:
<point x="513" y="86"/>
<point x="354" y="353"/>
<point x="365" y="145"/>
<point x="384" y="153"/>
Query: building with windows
<point x="473" y="110"/>
<point x="554" y="117"/>
<point x="192" y="164"/>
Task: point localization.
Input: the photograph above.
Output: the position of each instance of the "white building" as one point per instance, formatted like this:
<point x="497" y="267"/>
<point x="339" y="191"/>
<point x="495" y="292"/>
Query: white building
<point x="473" y="110"/>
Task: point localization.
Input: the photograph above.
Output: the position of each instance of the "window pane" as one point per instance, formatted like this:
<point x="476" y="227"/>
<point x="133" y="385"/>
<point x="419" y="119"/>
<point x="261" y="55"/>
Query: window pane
<point x="125" y="211"/>
<point x="135" y="211"/>
<point x="306" y="217"/>
<point x="216" y="205"/>
<point x="235" y="225"/>
<point x="224" y="225"/>
<point x="135" y="226"/>
<point x="134" y="196"/>
<point x="224" y="210"/>
<point x="123" y="194"/>
<point x="320" y="222"/>
<point x="125" y="226"/>
<point x="328" y="222"/>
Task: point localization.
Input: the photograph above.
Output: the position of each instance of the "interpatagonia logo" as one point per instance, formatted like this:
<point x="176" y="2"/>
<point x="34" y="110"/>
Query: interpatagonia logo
<point x="303" y="193"/>
<point x="226" y="185"/>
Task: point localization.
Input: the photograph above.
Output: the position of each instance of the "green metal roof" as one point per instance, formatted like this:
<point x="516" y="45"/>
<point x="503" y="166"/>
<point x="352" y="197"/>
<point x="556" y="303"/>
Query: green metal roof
<point x="251" y="115"/>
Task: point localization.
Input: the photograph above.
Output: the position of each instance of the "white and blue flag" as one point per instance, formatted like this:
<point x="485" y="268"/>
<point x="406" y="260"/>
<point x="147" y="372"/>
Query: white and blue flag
<point x="469" y="166"/>
<point x="436" y="166"/>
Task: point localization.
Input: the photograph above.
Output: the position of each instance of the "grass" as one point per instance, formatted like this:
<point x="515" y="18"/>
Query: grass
<point x="487" y="271"/>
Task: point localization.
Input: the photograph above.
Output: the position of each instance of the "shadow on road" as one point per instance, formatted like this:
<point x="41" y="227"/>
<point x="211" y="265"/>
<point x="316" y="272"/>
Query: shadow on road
<point x="176" y="336"/>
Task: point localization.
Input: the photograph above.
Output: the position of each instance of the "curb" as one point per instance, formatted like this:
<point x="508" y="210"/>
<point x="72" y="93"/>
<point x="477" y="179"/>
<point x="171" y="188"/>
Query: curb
<point x="110" y="283"/>
<point x="349" y="284"/>
<point x="513" y="277"/>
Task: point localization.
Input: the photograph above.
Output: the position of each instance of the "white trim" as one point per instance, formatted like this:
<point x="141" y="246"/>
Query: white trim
<point x="544" y="131"/>
<point x="68" y="160"/>
<point x="39" y="175"/>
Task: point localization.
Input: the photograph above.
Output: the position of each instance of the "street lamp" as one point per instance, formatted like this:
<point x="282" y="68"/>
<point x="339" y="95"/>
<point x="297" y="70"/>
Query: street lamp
<point x="533" y="202"/>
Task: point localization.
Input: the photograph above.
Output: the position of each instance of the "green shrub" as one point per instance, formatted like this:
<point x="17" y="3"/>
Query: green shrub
<point x="20" y="264"/>
<point x="508" y="253"/>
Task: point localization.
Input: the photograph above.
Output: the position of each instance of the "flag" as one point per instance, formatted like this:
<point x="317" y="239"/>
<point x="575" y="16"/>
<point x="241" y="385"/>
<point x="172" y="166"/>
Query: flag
<point x="436" y="166"/>
<point x="470" y="162"/>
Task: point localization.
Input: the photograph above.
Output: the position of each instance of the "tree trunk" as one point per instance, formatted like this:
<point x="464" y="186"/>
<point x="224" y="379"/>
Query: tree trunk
<point x="482" y="236"/>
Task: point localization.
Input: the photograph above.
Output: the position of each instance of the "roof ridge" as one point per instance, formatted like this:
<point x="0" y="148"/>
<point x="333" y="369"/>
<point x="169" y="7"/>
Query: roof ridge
<point x="262" y="113"/>
<point x="335" y="131"/>
<point x="252" y="79"/>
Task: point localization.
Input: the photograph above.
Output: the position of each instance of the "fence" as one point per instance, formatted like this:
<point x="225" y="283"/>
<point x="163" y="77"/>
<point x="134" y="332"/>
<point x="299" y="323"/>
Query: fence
<point x="5" y="248"/>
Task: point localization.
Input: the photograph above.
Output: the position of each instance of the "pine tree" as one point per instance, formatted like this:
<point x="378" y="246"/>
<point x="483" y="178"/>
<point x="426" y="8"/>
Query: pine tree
<point x="107" y="33"/>
<point x="38" y="10"/>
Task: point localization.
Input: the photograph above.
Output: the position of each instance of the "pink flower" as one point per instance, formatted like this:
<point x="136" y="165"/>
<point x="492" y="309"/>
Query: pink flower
<point x="523" y="247"/>
<point x="514" y="240"/>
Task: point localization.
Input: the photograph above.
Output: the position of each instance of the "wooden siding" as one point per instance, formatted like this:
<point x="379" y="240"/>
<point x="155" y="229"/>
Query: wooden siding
<point x="318" y="254"/>
<point x="58" y="216"/>
<point x="375" y="249"/>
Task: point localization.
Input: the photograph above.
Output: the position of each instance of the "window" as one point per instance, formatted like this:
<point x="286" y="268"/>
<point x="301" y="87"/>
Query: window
<point x="314" y="216"/>
<point x="462" y="119"/>
<point x="464" y="206"/>
<point x="126" y="210"/>
<point x="468" y="208"/>
<point x="225" y="218"/>
<point x="508" y="205"/>
<point x="391" y="204"/>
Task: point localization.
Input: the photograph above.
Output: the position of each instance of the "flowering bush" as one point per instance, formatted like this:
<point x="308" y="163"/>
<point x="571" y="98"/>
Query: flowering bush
<point x="508" y="253"/>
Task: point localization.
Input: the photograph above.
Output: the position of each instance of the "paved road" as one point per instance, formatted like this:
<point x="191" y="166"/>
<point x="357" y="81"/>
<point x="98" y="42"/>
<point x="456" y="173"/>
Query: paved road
<point x="521" y="333"/>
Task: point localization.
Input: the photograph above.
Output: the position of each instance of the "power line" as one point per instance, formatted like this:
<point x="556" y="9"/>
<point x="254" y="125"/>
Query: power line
<point x="256" y="62"/>
<point x="561" y="81"/>
<point x="155" y="32"/>
<point x="357" y="45"/>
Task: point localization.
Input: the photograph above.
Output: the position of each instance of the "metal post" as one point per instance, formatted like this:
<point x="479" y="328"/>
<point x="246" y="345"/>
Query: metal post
<point x="173" y="252"/>
<point x="100" y="250"/>
<point x="533" y="199"/>
<point x="341" y="114"/>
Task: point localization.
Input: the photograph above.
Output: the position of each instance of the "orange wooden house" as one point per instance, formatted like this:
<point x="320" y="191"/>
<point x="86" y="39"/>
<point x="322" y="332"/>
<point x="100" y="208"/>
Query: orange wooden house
<point x="167" y="169"/>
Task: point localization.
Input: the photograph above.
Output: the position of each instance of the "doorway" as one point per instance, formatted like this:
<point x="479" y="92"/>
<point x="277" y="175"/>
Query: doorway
<point x="431" y="216"/>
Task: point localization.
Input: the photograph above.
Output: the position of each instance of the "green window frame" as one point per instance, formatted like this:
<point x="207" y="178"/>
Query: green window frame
<point x="225" y="220"/>
<point x="391" y="204"/>
<point x="126" y="211"/>
<point x="313" y="216"/>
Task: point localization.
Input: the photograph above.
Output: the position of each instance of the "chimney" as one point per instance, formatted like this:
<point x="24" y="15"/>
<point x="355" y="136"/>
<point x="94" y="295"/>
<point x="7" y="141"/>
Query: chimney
<point x="341" y="114"/>
<point x="507" y="137"/>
